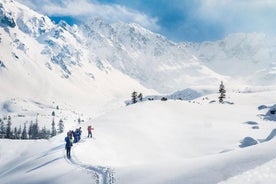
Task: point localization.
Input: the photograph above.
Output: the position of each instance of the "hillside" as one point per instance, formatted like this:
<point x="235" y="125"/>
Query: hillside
<point x="35" y="49"/>
<point x="230" y="56"/>
<point x="154" y="142"/>
<point x="46" y="62"/>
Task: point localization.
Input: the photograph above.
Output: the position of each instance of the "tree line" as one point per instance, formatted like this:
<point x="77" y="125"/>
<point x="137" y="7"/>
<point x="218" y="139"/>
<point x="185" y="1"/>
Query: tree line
<point x="33" y="131"/>
<point x="136" y="97"/>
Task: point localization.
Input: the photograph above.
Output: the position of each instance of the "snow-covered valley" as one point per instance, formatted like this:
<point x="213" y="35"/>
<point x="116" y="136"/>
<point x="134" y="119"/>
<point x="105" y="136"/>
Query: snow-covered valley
<point x="84" y="75"/>
<point x="154" y="142"/>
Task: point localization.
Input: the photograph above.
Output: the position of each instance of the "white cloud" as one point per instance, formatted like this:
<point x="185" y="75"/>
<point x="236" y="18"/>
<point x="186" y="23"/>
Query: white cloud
<point x="83" y="9"/>
<point x="240" y="15"/>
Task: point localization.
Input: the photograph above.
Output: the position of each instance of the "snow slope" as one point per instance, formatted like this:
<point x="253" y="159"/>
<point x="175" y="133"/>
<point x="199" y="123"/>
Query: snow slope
<point x="155" y="142"/>
<point x="180" y="142"/>
<point x="45" y="62"/>
<point x="249" y="57"/>
<point x="152" y="59"/>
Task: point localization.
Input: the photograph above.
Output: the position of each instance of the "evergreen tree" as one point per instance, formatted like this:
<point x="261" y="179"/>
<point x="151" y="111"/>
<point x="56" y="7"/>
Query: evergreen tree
<point x="60" y="126"/>
<point x="222" y="92"/>
<point x="134" y="97"/>
<point x="8" y="129"/>
<point x="54" y="131"/>
<point x="30" y="132"/>
<point x="48" y="133"/>
<point x="44" y="134"/>
<point x="24" y="132"/>
<point x="15" y="133"/>
<point x="19" y="132"/>
<point x="35" y="131"/>
<point x="140" y="97"/>
<point x="2" y="129"/>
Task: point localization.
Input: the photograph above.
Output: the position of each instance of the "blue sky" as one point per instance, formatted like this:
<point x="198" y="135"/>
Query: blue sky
<point x="178" y="20"/>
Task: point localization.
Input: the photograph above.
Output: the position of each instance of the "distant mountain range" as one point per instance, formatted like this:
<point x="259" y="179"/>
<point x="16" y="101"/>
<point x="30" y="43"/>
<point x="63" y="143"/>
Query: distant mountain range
<point x="111" y="60"/>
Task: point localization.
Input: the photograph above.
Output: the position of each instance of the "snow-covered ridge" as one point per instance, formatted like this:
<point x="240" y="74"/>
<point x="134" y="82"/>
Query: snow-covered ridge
<point x="148" y="57"/>
<point x="47" y="62"/>
<point x="248" y="55"/>
<point x="96" y="49"/>
<point x="27" y="20"/>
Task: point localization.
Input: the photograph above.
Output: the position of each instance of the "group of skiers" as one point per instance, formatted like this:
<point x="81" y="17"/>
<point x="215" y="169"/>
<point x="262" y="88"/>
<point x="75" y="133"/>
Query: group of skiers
<point x="74" y="137"/>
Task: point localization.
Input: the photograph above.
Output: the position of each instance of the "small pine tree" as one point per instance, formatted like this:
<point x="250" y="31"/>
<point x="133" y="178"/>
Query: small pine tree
<point x="79" y="120"/>
<point x="48" y="133"/>
<point x="54" y="131"/>
<point x="134" y="97"/>
<point x="45" y="134"/>
<point x="19" y="132"/>
<point x="2" y="129"/>
<point x="15" y="133"/>
<point x="8" y="129"/>
<point x="30" y="132"/>
<point x="60" y="126"/>
<point x="35" y="133"/>
<point x="140" y="97"/>
<point x="222" y="92"/>
<point x="24" y="132"/>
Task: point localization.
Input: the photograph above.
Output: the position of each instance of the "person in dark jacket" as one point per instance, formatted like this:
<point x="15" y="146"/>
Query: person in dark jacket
<point x="69" y="143"/>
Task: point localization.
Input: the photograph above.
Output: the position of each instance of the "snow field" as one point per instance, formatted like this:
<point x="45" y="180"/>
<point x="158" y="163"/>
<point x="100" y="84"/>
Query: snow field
<point x="150" y="138"/>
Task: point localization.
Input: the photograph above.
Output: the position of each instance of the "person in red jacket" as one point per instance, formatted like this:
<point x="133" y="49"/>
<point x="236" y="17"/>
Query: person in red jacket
<point x="89" y="129"/>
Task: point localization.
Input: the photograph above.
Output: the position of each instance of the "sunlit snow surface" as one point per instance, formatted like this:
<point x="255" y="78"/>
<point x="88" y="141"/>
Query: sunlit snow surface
<point x="154" y="142"/>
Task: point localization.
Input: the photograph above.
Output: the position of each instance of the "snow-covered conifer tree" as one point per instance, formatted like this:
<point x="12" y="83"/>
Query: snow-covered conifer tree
<point x="8" y="128"/>
<point x="60" y="126"/>
<point x="30" y="131"/>
<point x="2" y="129"/>
<point x="134" y="97"/>
<point x="54" y="131"/>
<point x="35" y="133"/>
<point x="222" y="92"/>
<point x="140" y="97"/>
<point x="15" y="133"/>
<point x="24" y="132"/>
<point x="19" y="132"/>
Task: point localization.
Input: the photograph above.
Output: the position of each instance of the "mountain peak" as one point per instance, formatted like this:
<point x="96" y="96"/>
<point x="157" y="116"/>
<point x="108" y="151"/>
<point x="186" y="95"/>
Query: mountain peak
<point x="27" y="20"/>
<point x="6" y="18"/>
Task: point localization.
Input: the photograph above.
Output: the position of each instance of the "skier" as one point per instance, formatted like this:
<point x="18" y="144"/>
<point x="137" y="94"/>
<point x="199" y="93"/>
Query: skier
<point x="89" y="129"/>
<point x="69" y="143"/>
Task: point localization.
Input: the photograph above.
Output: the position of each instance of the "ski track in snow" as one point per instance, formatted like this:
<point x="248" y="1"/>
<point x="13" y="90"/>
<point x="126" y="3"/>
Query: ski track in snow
<point x="31" y="159"/>
<point x="103" y="175"/>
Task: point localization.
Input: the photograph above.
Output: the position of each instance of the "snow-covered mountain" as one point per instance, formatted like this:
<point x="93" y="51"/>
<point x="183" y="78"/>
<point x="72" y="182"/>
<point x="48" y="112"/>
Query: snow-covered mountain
<point x="46" y="61"/>
<point x="250" y="56"/>
<point x="150" y="58"/>
<point x="96" y="50"/>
